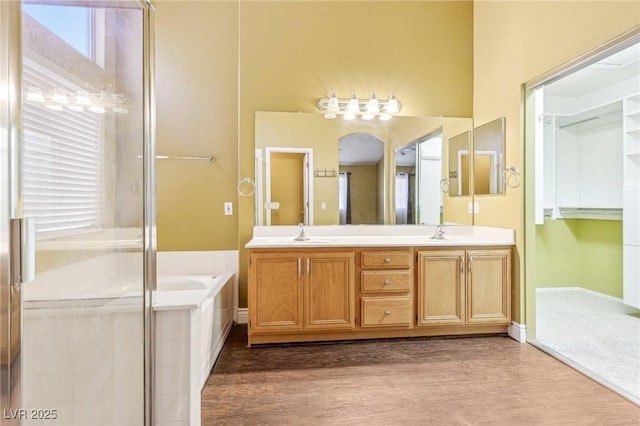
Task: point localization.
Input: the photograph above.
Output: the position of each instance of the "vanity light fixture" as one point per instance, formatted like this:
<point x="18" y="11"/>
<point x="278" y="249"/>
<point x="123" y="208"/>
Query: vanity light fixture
<point x="367" y="109"/>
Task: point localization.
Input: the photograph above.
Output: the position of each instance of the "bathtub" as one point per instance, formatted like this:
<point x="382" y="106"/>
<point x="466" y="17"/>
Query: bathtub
<point x="194" y="315"/>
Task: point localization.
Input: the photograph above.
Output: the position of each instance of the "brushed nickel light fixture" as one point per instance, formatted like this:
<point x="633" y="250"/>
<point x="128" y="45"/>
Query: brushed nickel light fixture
<point x="367" y="109"/>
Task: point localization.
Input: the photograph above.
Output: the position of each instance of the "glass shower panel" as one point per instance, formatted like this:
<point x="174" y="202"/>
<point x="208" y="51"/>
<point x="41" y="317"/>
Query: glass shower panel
<point x="82" y="184"/>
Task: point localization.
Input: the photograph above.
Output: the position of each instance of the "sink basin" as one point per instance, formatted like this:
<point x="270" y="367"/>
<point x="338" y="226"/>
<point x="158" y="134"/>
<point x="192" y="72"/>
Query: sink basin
<point x="291" y="241"/>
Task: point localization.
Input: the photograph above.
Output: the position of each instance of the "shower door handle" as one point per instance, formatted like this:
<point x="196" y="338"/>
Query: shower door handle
<point x="23" y="251"/>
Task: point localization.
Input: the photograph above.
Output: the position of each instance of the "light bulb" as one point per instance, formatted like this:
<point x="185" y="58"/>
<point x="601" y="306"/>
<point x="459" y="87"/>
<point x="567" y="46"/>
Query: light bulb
<point x="34" y="94"/>
<point x="59" y="96"/>
<point x="373" y="107"/>
<point x="393" y="106"/>
<point x="333" y="106"/>
<point x="353" y="107"/>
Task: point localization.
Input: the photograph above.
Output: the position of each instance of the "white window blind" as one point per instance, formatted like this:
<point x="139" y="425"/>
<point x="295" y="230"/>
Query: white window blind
<point x="61" y="159"/>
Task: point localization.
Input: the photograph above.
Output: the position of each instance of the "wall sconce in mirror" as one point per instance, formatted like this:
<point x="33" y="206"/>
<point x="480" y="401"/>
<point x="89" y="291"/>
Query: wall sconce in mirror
<point x="366" y="109"/>
<point x="58" y="99"/>
<point x="488" y="157"/>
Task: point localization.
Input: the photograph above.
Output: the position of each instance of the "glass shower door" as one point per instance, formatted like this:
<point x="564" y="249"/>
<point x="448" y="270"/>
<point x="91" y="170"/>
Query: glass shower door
<point x="79" y="180"/>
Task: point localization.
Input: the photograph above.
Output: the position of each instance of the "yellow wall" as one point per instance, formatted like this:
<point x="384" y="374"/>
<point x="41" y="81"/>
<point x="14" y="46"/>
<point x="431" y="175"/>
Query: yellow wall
<point x="364" y="193"/>
<point x="515" y="42"/>
<point x="197" y="114"/>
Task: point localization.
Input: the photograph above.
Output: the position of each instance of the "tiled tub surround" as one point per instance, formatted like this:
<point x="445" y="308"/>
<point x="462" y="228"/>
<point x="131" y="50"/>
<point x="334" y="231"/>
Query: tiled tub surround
<point x="83" y="341"/>
<point x="83" y="337"/>
<point x="191" y="327"/>
<point x="379" y="235"/>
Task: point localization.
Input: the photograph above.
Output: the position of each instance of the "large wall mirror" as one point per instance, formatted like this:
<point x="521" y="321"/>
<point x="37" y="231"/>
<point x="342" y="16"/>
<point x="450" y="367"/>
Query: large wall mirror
<point x="488" y="157"/>
<point x="355" y="172"/>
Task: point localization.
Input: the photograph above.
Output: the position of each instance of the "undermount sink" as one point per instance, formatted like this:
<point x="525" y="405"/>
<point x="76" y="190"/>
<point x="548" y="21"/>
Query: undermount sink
<point x="294" y="241"/>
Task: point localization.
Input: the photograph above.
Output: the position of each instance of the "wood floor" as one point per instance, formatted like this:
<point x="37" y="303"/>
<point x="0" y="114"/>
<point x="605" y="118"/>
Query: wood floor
<point x="458" y="381"/>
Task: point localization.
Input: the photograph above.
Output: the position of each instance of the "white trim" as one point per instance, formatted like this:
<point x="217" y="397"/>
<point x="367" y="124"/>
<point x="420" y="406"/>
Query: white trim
<point x="242" y="315"/>
<point x="259" y="204"/>
<point x="584" y="290"/>
<point x="517" y="332"/>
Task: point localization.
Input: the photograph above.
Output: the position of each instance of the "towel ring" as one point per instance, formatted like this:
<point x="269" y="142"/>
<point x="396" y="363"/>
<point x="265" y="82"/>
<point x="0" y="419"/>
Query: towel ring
<point x="512" y="177"/>
<point x="444" y="185"/>
<point x="249" y="181"/>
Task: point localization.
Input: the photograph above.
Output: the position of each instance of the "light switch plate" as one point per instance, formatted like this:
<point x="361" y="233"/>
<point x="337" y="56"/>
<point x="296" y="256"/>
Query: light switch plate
<point x="228" y="208"/>
<point x="476" y="207"/>
<point x="470" y="207"/>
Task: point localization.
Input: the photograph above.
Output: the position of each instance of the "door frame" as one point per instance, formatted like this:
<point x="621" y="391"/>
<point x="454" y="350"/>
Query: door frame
<point x="307" y="181"/>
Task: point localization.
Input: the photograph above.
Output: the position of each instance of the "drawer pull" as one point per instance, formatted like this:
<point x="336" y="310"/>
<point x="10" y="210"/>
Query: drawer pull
<point x="387" y="313"/>
<point x="386" y="282"/>
<point x="387" y="260"/>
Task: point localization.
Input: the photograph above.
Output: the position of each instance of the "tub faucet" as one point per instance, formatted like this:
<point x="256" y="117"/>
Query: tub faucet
<point x="302" y="236"/>
<point x="439" y="235"/>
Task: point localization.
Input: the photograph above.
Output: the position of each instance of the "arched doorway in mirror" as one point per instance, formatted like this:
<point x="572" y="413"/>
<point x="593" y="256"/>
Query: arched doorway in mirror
<point x="361" y="179"/>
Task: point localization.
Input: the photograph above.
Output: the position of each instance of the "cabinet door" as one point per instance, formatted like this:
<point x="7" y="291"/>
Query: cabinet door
<point x="275" y="292"/>
<point x="440" y="287"/>
<point x="329" y="300"/>
<point x="489" y="286"/>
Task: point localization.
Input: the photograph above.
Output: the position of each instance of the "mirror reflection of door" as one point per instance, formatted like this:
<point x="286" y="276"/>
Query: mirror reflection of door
<point x="418" y="175"/>
<point x="361" y="186"/>
<point x="465" y="175"/>
<point x="482" y="173"/>
<point x="288" y="187"/>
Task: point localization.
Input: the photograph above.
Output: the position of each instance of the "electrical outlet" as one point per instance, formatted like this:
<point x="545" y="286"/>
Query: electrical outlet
<point x="228" y="208"/>
<point x="323" y="205"/>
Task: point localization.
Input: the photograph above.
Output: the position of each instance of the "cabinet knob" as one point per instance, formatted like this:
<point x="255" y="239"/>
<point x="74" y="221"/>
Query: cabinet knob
<point x="386" y="282"/>
<point x="387" y="260"/>
<point x="387" y="313"/>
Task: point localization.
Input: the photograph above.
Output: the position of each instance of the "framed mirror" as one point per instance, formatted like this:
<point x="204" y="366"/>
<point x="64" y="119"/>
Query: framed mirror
<point x="337" y="147"/>
<point x="488" y="157"/>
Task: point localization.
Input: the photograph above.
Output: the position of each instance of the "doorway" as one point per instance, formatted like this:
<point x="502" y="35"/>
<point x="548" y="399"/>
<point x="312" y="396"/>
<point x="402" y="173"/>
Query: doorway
<point x="288" y="186"/>
<point x="583" y="233"/>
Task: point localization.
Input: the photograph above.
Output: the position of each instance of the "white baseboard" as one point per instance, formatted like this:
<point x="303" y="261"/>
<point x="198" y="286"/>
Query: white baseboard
<point x="584" y="290"/>
<point x="517" y="332"/>
<point x="242" y="315"/>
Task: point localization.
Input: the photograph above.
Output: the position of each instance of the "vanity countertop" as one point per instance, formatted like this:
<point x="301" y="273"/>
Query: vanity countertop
<point x="379" y="235"/>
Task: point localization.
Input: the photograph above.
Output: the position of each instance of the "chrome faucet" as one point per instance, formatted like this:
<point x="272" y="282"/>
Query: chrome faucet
<point x="439" y="235"/>
<point x="302" y="236"/>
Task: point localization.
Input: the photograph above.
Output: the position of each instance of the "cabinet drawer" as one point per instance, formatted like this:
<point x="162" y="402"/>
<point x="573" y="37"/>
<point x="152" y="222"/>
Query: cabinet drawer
<point x="386" y="259"/>
<point x="381" y="281"/>
<point x="386" y="312"/>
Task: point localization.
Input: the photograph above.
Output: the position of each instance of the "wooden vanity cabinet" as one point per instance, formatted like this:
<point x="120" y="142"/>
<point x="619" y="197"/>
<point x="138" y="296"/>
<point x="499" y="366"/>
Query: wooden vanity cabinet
<point x="441" y="287"/>
<point x="293" y="291"/>
<point x="488" y="286"/>
<point x="464" y="287"/>
<point x="386" y="288"/>
<point x="319" y="294"/>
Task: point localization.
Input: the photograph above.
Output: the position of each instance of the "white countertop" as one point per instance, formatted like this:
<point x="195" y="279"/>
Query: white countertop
<point x="379" y="235"/>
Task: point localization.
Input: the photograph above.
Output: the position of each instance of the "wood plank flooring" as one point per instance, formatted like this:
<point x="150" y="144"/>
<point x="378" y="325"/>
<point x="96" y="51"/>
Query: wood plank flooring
<point x="490" y="380"/>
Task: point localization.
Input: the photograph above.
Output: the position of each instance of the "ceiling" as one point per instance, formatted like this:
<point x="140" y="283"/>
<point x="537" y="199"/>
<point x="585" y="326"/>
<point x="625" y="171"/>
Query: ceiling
<point x="360" y="149"/>
<point x="617" y="67"/>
